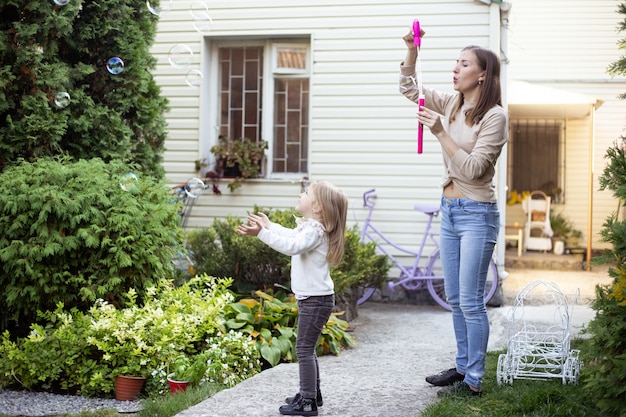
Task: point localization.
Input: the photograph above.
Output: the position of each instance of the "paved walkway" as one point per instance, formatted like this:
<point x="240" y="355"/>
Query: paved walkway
<point x="398" y="345"/>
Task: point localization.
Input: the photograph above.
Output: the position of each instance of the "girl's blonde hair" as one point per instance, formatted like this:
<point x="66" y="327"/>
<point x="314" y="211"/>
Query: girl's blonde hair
<point x="333" y="215"/>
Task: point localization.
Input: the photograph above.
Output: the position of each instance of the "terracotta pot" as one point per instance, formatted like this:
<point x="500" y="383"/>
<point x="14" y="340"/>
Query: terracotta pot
<point x="176" y="386"/>
<point x="128" y="388"/>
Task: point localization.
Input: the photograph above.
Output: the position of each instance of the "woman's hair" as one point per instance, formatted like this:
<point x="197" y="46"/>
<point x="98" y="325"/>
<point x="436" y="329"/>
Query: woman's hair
<point x="333" y="215"/>
<point x="490" y="94"/>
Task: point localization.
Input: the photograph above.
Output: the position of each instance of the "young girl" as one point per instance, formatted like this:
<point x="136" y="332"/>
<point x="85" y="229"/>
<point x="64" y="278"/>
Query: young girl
<point x="472" y="133"/>
<point x="314" y="245"/>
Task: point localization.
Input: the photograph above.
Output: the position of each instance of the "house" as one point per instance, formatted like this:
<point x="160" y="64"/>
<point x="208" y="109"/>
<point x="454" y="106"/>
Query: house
<point x="317" y="79"/>
<point x="563" y="50"/>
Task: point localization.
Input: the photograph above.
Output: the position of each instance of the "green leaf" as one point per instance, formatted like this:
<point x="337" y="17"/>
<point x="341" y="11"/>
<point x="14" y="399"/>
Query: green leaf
<point x="271" y="354"/>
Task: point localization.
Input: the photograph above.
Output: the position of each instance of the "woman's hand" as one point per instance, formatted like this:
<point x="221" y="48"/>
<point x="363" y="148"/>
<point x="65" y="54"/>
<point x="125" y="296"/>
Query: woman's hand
<point x="411" y="52"/>
<point x="409" y="38"/>
<point x="431" y="120"/>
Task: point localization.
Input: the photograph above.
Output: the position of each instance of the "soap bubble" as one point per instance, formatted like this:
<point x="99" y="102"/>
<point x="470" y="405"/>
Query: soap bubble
<point x="194" y="78"/>
<point x="198" y="9"/>
<point x="128" y="182"/>
<point x="160" y="10"/>
<point x="180" y="56"/>
<point x="115" y="65"/>
<point x="203" y="24"/>
<point x="202" y="21"/>
<point x="61" y="2"/>
<point x="194" y="187"/>
<point x="62" y="99"/>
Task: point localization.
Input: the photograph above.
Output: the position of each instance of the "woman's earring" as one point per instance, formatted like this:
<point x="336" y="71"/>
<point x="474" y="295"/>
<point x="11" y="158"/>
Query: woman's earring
<point x="480" y="82"/>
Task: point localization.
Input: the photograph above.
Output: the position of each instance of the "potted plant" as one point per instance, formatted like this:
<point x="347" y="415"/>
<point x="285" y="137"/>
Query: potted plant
<point x="121" y="339"/>
<point x="564" y="232"/>
<point x="238" y="159"/>
<point x="185" y="371"/>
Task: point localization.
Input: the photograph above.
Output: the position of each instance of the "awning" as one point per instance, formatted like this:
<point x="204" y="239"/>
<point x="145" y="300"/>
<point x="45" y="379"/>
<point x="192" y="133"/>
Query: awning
<point x="529" y="101"/>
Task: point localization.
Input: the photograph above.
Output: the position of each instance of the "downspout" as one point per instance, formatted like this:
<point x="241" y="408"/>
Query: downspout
<point x="502" y="162"/>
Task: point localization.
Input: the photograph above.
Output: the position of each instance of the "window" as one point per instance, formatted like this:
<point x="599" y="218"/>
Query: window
<point x="241" y="83"/>
<point x="269" y="103"/>
<point x="536" y="157"/>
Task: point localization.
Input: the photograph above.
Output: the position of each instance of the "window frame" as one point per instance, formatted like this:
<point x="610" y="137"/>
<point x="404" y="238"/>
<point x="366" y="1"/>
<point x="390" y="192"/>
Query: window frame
<point x="210" y="95"/>
<point x="276" y="70"/>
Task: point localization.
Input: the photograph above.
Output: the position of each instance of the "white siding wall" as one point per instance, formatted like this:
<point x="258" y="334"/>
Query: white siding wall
<point x="568" y="45"/>
<point x="363" y="132"/>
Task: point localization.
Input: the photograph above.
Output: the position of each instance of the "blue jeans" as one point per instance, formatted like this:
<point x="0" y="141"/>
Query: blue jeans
<point x="313" y="313"/>
<point x="469" y="230"/>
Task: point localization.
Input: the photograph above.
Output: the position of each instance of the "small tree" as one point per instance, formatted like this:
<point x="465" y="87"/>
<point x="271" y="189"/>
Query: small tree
<point x="604" y="373"/>
<point x="57" y="95"/>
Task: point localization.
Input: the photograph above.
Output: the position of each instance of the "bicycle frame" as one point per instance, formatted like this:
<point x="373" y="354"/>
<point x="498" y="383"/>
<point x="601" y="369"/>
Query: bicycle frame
<point x="414" y="277"/>
<point x="371" y="232"/>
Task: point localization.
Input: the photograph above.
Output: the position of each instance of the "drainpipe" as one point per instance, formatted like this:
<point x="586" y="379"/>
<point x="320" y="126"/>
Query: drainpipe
<point x="502" y="163"/>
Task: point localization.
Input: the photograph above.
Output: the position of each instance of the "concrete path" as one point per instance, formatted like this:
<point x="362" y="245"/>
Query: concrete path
<point x="398" y="345"/>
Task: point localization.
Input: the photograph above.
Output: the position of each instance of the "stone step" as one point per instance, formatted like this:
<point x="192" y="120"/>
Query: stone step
<point x="544" y="261"/>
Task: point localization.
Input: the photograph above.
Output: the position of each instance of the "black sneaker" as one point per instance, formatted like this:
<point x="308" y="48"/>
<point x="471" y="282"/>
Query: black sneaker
<point x="459" y="389"/>
<point x="444" y="378"/>
<point x="301" y="407"/>
<point x="320" y="400"/>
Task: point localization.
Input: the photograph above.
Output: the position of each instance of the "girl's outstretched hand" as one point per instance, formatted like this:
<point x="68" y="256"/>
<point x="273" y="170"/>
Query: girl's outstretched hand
<point x="254" y="226"/>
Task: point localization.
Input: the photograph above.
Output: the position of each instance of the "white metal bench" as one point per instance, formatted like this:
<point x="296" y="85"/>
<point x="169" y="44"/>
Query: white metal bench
<point x="540" y="351"/>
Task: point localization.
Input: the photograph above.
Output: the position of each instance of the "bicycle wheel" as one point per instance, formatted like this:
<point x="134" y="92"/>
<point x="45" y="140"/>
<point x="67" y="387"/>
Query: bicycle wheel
<point x="436" y="287"/>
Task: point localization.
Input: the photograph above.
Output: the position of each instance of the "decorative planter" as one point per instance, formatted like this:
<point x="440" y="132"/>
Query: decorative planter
<point x="128" y="388"/>
<point x="176" y="386"/>
<point x="232" y="172"/>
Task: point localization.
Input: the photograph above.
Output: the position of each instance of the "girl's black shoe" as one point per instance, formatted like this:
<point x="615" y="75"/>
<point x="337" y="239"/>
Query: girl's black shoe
<point x="320" y="400"/>
<point x="300" y="407"/>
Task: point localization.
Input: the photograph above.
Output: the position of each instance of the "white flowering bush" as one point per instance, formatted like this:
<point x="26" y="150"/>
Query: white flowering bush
<point x="138" y="340"/>
<point x="172" y="321"/>
<point x="231" y="358"/>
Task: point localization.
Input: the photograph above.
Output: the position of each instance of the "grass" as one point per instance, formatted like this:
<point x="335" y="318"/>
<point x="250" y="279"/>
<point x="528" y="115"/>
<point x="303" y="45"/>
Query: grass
<point x="524" y="398"/>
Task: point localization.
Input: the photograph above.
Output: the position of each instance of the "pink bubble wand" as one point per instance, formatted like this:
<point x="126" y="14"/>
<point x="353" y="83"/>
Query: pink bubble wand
<point x="417" y="40"/>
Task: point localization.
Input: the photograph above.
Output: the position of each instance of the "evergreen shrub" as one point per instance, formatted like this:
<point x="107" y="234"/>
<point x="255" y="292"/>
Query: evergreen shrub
<point x="71" y="234"/>
<point x="47" y="49"/>
<point x="219" y="250"/>
<point x="604" y="374"/>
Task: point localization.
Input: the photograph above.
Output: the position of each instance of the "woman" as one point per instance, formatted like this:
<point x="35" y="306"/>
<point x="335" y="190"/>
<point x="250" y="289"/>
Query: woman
<point x="471" y="133"/>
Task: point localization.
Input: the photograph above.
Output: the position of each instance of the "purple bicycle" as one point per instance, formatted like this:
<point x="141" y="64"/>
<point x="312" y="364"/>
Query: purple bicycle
<point x="419" y="273"/>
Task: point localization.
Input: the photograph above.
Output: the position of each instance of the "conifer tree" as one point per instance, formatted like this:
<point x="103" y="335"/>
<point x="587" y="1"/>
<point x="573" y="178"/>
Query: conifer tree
<point x="57" y="96"/>
<point x="604" y="373"/>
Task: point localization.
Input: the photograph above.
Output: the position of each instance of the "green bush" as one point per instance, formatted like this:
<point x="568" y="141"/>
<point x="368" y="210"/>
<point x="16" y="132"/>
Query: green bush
<point x="219" y="250"/>
<point x="54" y="356"/>
<point x="604" y="374"/>
<point x="77" y="352"/>
<point x="72" y="234"/>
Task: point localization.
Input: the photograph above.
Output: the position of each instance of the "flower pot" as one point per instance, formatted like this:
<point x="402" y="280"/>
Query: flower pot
<point x="176" y="386"/>
<point x="128" y="388"/>
<point x="232" y="172"/>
